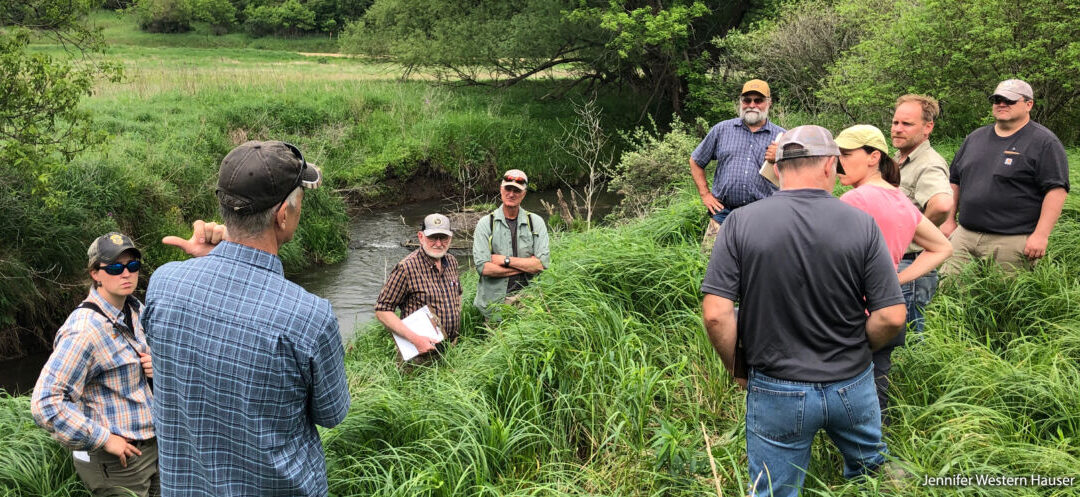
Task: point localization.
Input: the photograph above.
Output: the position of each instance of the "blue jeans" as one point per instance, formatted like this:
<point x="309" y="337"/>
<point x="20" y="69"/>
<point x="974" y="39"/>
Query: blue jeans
<point x="783" y="416"/>
<point x="720" y="216"/>
<point x="917" y="295"/>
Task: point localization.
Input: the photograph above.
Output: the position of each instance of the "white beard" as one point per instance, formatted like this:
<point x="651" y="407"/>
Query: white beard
<point x="753" y="117"/>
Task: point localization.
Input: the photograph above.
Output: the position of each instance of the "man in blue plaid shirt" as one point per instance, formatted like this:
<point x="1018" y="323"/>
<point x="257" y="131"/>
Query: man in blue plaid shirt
<point x="738" y="146"/>
<point x="246" y="362"/>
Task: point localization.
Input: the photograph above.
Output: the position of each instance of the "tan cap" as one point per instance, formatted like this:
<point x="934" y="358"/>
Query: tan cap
<point x="1013" y="89"/>
<point x="756" y="85"/>
<point x="437" y="224"/>
<point x="515" y="178"/>
<point x="861" y="135"/>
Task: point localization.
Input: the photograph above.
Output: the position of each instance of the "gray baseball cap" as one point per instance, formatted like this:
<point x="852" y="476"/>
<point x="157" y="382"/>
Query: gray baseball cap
<point x="108" y="247"/>
<point x="812" y="141"/>
<point x="437" y="224"/>
<point x="1013" y="89"/>
<point x="259" y="175"/>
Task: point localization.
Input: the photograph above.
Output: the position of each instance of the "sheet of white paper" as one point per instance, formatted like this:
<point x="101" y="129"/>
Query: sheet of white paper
<point x="421" y="322"/>
<point x="80" y="455"/>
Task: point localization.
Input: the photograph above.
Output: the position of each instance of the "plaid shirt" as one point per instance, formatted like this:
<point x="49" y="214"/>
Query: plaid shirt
<point x="246" y="364"/>
<point x="416" y="281"/>
<point x="739" y="154"/>
<point x="93" y="383"/>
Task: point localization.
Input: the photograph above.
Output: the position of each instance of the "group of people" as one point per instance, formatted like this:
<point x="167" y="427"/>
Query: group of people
<point x="217" y="384"/>
<point x="826" y="288"/>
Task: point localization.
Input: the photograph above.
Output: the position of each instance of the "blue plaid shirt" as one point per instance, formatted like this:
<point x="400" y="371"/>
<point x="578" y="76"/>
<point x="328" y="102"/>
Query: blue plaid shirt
<point x="738" y="154"/>
<point x="246" y="363"/>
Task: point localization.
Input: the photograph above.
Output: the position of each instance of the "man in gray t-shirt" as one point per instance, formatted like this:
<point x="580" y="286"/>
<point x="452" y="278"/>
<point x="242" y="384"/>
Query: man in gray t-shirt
<point x="805" y="269"/>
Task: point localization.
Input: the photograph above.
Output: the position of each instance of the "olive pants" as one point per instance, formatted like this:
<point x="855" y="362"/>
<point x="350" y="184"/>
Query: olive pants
<point x="105" y="476"/>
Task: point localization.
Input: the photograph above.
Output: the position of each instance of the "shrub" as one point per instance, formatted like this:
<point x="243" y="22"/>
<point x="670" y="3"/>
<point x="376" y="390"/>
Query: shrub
<point x="164" y="16"/>
<point x="653" y="167"/>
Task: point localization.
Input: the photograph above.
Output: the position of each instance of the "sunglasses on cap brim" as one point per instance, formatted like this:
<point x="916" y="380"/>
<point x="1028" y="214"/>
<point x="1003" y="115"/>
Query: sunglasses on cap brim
<point x="300" y="181"/>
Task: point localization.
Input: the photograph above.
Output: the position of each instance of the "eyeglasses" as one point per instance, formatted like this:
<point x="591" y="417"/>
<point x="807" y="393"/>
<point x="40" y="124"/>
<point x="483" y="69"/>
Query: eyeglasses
<point x="998" y="99"/>
<point x="516" y="179"/>
<point x="440" y="239"/>
<point x="117" y="268"/>
<point x="754" y="100"/>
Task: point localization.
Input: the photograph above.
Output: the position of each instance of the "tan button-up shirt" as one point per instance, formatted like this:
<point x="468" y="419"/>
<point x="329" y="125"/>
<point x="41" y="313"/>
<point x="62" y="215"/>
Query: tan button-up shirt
<point x="922" y="175"/>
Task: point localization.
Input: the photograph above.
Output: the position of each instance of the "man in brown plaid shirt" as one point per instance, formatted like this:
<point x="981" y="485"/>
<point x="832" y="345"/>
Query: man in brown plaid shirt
<point x="428" y="276"/>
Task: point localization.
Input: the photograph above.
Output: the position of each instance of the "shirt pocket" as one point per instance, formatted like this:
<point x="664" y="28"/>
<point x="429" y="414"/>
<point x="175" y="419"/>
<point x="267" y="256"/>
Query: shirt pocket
<point x="1012" y="167"/>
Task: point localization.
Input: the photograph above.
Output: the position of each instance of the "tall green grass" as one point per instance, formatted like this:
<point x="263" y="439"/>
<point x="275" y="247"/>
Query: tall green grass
<point x="601" y="381"/>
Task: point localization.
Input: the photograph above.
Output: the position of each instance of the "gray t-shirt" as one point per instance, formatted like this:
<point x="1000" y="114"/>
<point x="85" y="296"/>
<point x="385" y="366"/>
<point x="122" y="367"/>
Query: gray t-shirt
<point x="804" y="267"/>
<point x="1003" y="180"/>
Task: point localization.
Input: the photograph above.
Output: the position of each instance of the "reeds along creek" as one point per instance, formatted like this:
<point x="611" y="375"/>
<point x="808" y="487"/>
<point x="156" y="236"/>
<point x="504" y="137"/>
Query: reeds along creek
<point x="602" y="383"/>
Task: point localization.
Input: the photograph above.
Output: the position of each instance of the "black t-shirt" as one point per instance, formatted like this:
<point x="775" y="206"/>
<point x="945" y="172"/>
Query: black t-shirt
<point x="804" y="267"/>
<point x="1003" y="180"/>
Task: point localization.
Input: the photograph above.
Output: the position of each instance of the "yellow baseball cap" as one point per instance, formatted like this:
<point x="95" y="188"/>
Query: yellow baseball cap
<point x="861" y="135"/>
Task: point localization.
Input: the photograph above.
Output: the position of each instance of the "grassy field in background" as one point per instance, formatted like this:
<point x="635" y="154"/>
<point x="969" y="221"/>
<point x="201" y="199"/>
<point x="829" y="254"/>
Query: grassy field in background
<point x="602" y="382"/>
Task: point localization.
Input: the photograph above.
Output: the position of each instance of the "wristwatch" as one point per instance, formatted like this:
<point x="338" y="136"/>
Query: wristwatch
<point x="506" y="261"/>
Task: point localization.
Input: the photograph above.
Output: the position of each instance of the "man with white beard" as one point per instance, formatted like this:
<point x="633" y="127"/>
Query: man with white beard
<point x="738" y="146"/>
<point x="428" y="276"/>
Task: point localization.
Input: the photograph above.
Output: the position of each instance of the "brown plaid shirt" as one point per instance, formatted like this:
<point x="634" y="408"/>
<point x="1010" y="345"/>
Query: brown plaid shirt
<point x="416" y="282"/>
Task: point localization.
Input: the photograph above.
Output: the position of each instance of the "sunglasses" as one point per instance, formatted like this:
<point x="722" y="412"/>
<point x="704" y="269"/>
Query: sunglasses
<point x="438" y="238"/>
<point x="299" y="175"/>
<point x="117" y="268"/>
<point x="754" y="100"/>
<point x="516" y="179"/>
<point x="998" y="99"/>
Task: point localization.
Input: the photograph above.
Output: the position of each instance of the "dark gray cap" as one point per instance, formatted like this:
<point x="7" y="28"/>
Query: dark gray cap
<point x="259" y="175"/>
<point x="108" y="247"/>
<point x="812" y="141"/>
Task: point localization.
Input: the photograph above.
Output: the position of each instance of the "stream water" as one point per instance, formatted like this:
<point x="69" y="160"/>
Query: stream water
<point x="376" y="245"/>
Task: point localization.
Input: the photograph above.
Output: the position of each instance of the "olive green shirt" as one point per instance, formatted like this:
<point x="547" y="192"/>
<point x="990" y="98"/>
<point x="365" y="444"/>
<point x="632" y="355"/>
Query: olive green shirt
<point x="922" y="175"/>
<point x="531" y="242"/>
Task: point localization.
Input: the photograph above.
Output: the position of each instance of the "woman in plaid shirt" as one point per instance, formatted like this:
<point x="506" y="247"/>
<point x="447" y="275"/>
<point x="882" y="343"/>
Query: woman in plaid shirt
<point x="94" y="392"/>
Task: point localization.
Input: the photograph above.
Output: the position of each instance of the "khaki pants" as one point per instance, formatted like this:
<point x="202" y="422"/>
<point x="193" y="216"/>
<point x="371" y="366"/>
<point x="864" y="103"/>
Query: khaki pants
<point x="709" y="239"/>
<point x="1006" y="250"/>
<point x="105" y="476"/>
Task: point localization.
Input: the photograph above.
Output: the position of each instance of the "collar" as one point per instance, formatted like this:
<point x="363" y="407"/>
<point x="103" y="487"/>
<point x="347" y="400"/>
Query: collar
<point x="769" y="126"/>
<point x="501" y="216"/>
<point x="427" y="259"/>
<point x="921" y="149"/>
<point x="804" y="193"/>
<point x="246" y="255"/>
<point x="111" y="310"/>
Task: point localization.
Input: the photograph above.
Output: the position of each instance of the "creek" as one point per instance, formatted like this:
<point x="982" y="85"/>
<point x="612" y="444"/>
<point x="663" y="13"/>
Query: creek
<point x="377" y="238"/>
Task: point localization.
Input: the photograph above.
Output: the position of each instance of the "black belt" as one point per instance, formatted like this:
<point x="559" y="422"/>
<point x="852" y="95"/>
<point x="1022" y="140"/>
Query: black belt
<point x="142" y="443"/>
<point x="910" y="256"/>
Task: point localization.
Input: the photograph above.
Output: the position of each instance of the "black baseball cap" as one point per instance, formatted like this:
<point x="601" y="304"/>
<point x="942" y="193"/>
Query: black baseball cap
<point x="108" y="247"/>
<point x="259" y="175"/>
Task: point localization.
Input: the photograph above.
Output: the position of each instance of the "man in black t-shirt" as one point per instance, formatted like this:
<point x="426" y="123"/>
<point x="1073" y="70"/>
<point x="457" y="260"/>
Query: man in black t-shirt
<point x="805" y="269"/>
<point x="1010" y="180"/>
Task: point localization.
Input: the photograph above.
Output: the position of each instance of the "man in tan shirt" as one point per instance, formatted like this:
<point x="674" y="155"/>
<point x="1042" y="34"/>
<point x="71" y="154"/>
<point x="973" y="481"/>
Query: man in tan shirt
<point x="924" y="178"/>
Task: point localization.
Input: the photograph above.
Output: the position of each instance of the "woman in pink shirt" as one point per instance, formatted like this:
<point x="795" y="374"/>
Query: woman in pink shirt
<point x="866" y="165"/>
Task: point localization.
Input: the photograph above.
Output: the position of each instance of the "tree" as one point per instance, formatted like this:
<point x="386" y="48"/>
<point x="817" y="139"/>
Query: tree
<point x="651" y="47"/>
<point x="925" y="49"/>
<point x="41" y="127"/>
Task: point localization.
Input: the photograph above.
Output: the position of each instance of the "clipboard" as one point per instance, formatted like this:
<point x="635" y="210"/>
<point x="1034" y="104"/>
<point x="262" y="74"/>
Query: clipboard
<point x="422" y="322"/>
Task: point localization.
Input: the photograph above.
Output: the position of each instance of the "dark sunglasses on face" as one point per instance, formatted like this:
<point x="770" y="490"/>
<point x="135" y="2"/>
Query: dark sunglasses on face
<point x="117" y="268"/>
<point x="515" y="179"/>
<point x="756" y="100"/>
<point x="998" y="99"/>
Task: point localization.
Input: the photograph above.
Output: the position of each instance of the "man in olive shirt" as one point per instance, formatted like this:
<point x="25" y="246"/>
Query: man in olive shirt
<point x="924" y="178"/>
<point x="1010" y="180"/>
<point x="510" y="245"/>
